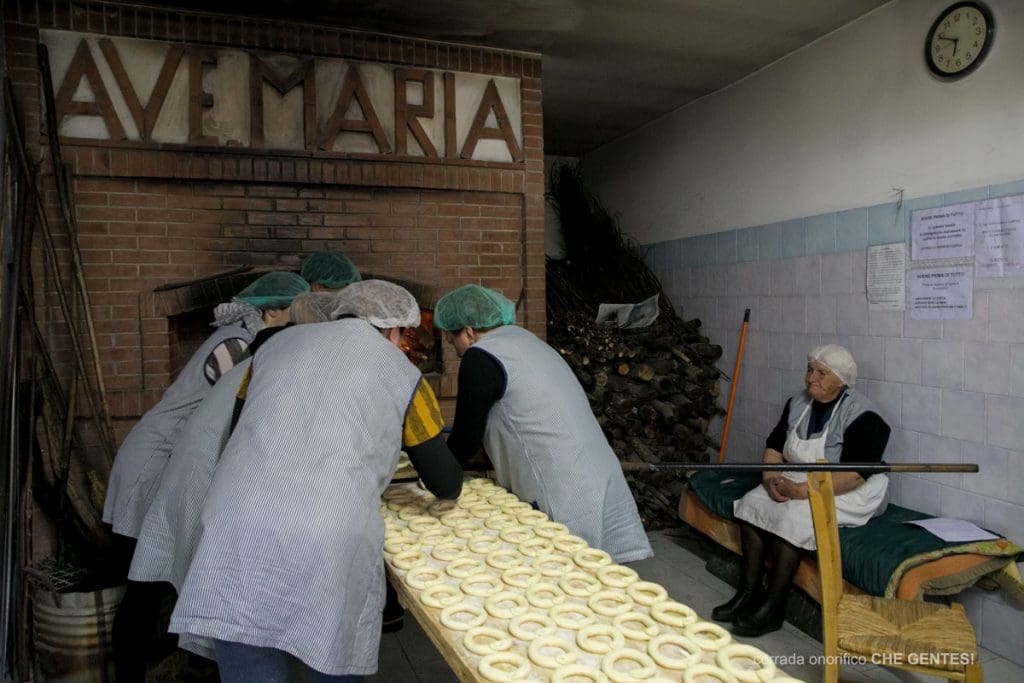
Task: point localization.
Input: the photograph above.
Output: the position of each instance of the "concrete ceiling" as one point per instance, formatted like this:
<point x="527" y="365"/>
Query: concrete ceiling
<point x="610" y="66"/>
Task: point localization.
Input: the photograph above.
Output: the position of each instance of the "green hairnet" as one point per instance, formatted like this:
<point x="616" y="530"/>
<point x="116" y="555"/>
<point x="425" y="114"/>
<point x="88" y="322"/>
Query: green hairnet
<point x="473" y="306"/>
<point x="332" y="269"/>
<point x="273" y="290"/>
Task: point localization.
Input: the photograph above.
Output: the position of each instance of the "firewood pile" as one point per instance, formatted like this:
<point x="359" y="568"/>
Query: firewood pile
<point x="654" y="389"/>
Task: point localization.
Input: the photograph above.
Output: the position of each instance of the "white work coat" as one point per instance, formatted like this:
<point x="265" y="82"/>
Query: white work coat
<point x="291" y="552"/>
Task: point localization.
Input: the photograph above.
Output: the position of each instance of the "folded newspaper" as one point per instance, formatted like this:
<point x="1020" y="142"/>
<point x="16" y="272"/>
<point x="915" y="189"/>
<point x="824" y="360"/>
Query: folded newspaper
<point x="642" y="314"/>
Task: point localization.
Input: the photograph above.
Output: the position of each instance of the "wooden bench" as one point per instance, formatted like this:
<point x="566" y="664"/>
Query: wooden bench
<point x="939" y="576"/>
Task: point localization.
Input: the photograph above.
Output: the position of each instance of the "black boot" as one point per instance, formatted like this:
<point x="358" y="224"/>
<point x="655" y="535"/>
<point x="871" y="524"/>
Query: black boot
<point x="765" y="619"/>
<point x="745" y="600"/>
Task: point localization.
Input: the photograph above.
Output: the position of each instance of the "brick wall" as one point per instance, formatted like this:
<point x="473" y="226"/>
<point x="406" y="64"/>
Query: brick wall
<point x="152" y="216"/>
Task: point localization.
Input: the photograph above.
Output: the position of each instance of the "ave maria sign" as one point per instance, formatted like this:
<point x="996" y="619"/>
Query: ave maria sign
<point x="146" y="92"/>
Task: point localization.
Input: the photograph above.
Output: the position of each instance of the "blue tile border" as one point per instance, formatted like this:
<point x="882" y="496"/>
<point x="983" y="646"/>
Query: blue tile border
<point x="827" y="233"/>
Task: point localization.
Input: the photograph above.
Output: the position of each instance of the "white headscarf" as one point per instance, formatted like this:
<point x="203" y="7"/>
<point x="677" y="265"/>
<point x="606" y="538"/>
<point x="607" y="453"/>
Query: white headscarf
<point x="838" y="360"/>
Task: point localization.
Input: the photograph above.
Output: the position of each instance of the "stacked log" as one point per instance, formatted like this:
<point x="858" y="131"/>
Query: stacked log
<point x="654" y="390"/>
<point x="653" y="394"/>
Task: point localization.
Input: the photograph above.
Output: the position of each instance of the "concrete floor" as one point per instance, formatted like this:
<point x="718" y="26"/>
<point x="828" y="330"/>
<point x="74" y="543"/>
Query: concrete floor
<point x="408" y="655"/>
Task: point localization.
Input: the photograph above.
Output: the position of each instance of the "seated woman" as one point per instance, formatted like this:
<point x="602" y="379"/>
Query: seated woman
<point x="828" y="420"/>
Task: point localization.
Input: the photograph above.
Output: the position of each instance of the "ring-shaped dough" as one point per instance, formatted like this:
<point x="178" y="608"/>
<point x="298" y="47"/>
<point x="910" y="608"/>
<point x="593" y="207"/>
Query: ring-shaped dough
<point x="535" y="547"/>
<point x="489" y="670"/>
<point x="553" y="565"/>
<point x="446" y="552"/>
<point x="469" y="498"/>
<point x="672" y="613"/>
<point x="439" y="534"/>
<point x="483" y="544"/>
<point x="495" y="605"/>
<point x="515" y="534"/>
<point x="483" y="510"/>
<point x="567" y="543"/>
<point x="666" y="661"/>
<point x="481" y="585"/>
<point x="599" y="602"/>
<point x="461" y="567"/>
<point x="411" y="512"/>
<point x="424" y="524"/>
<point x="515" y="509"/>
<point x="646" y="666"/>
<point x="408" y="559"/>
<point x="544" y="595"/>
<point x="568" y="655"/>
<point x="698" y="671"/>
<point x="718" y="639"/>
<point x="476" y="616"/>
<point x="502" y="498"/>
<point x="500" y="521"/>
<point x="497" y="641"/>
<point x="617" y="576"/>
<point x="503" y="558"/>
<point x="455" y="517"/>
<point x="466" y="530"/>
<point x="579" y="584"/>
<point x="400" y="545"/>
<point x="392" y="492"/>
<point x="766" y="666"/>
<point x="439" y="507"/>
<point x="591" y="638"/>
<point x="396" y="504"/>
<point x="520" y="577"/>
<point x="441" y="595"/>
<point x="648" y="629"/>
<point x="590" y="558"/>
<point x="517" y="626"/>
<point x="647" y="593"/>
<point x="424" y="576"/>
<point x="479" y="482"/>
<point x="563" y="615"/>
<point x="550" y="529"/>
<point x="532" y="517"/>
<point x="578" y="671"/>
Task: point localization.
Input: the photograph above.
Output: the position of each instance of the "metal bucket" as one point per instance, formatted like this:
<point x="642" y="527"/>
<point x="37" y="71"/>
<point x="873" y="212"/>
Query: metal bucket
<point x="73" y="635"/>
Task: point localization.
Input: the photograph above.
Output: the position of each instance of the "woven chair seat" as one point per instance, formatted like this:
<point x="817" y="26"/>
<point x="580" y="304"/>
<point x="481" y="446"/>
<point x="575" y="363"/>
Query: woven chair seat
<point x="916" y="632"/>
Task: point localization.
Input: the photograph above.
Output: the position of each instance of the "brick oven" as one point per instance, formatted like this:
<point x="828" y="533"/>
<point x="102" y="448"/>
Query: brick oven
<point x="199" y="144"/>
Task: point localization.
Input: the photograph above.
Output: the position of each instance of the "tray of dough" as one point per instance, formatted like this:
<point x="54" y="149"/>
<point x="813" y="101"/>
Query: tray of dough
<point x="506" y="594"/>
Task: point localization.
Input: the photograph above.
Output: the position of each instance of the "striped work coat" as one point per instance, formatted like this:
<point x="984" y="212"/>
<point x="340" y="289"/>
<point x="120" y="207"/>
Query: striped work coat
<point x="547" y="447"/>
<point x="143" y="455"/>
<point x="291" y="552"/>
<point x="170" y="530"/>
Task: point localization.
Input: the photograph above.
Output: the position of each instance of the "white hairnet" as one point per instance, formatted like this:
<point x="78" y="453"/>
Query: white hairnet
<point x="382" y="304"/>
<point x="838" y="360"/>
<point x="312" y="307"/>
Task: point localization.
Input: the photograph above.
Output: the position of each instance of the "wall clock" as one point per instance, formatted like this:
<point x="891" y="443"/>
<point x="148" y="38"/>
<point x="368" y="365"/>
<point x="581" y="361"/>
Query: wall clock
<point x="959" y="39"/>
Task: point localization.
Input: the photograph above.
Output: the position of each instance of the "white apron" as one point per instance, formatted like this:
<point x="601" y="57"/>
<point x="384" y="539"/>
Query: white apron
<point x="791" y="520"/>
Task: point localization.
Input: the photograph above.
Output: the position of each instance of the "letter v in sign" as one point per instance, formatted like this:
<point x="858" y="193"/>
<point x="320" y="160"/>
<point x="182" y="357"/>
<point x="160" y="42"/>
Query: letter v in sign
<point x="145" y="117"/>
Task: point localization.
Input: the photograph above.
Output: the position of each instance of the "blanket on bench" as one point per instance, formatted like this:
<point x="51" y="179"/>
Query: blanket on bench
<point x="878" y="556"/>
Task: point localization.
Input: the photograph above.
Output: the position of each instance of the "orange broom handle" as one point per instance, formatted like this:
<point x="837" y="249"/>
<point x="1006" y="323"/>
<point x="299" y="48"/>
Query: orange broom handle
<point x="735" y="382"/>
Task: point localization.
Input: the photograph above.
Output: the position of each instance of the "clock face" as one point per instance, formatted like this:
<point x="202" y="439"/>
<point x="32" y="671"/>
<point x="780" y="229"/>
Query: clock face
<point x="959" y="39"/>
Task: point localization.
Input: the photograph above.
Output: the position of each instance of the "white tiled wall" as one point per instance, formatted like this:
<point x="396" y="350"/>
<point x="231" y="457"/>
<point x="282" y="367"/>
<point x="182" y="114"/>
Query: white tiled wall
<point x="953" y="391"/>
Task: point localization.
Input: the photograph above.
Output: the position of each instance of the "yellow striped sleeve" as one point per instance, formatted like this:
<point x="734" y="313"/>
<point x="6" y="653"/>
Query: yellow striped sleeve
<point x="243" y="388"/>
<point x="423" y="419"/>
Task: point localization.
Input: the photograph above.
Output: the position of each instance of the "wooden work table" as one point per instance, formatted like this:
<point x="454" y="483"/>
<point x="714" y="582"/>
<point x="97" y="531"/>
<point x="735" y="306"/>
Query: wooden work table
<point x="406" y="504"/>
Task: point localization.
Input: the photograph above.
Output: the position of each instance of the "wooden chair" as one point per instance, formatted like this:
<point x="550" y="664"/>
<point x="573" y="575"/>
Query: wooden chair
<point x="918" y="636"/>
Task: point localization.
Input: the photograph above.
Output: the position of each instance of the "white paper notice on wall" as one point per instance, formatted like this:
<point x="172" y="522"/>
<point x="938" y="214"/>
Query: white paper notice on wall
<point x="887" y="277"/>
<point x="943" y="293"/>
<point x="999" y="237"/>
<point x="942" y="232"/>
